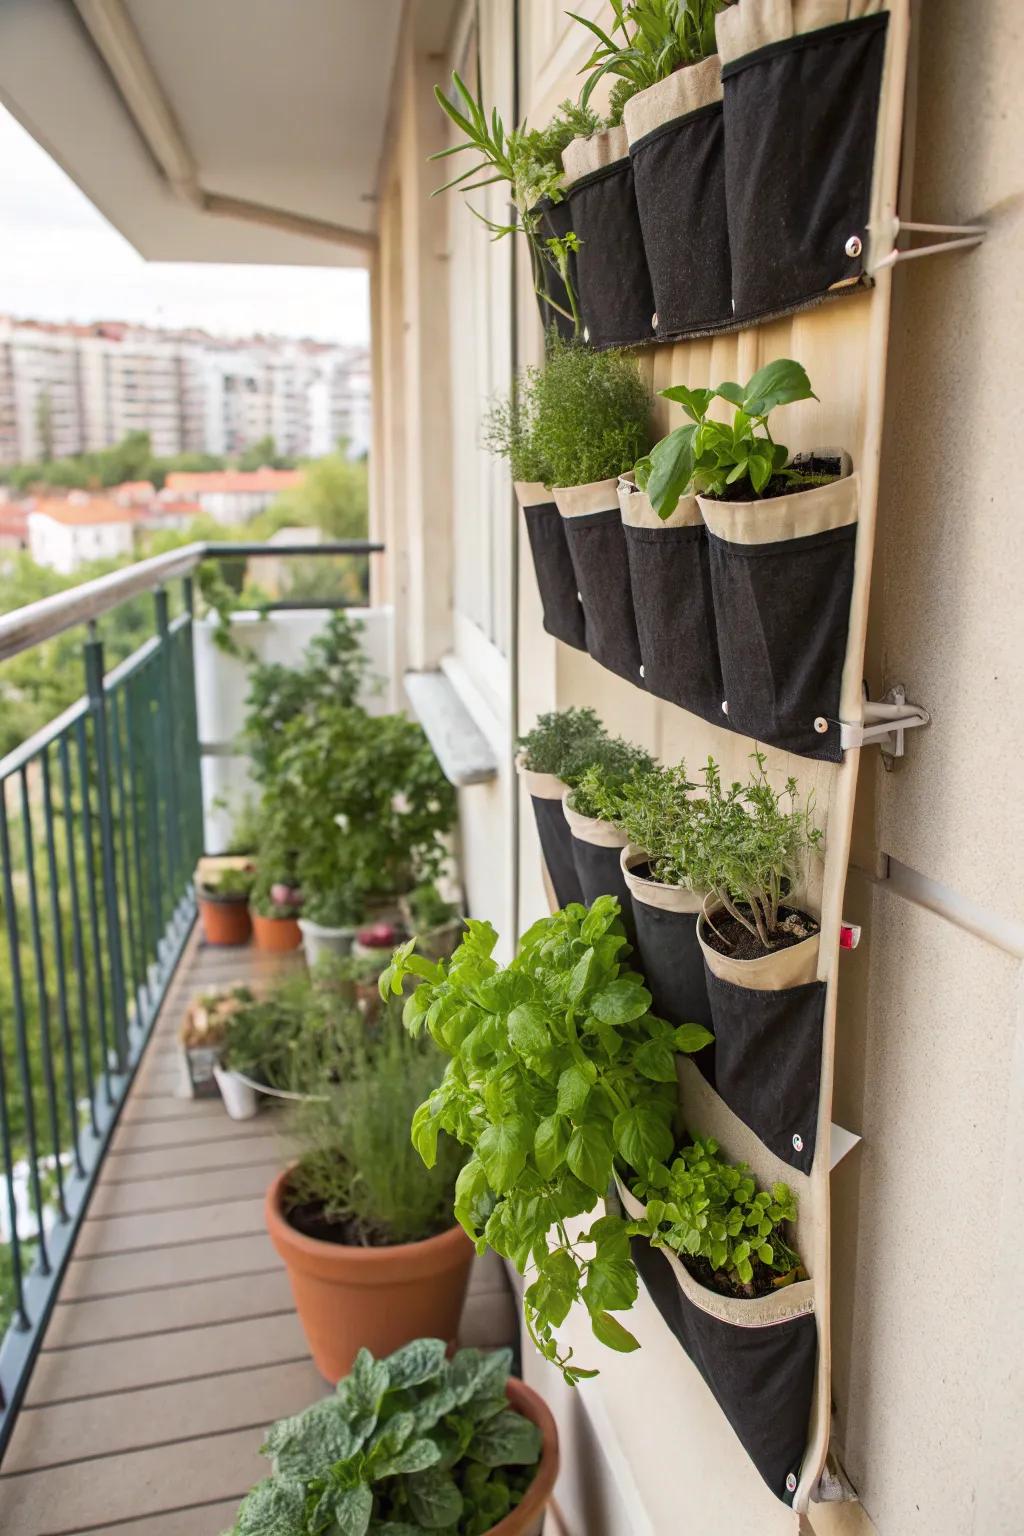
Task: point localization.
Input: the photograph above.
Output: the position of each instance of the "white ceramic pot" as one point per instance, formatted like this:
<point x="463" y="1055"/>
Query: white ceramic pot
<point x="318" y="941"/>
<point x="239" y="1096"/>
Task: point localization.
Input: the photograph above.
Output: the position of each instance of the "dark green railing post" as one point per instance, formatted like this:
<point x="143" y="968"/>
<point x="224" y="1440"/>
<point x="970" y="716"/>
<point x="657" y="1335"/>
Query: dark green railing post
<point x="166" y="718"/>
<point x="98" y="709"/>
<point x="193" y="753"/>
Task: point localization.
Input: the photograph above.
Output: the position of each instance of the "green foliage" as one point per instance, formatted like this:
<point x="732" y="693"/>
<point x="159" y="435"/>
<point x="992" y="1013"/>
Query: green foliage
<point x="228" y="885"/>
<point x="614" y="763"/>
<point x="334" y="496"/>
<point x="558" y="1069"/>
<point x="708" y="456"/>
<point x="300" y="1034"/>
<point x="354" y="1157"/>
<point x="130" y="459"/>
<point x="263" y="454"/>
<point x="654" y="807"/>
<point x="411" y="1443"/>
<point x="706" y="1208"/>
<point x="592" y="413"/>
<point x="428" y="909"/>
<point x="508" y="430"/>
<point x="655" y="38"/>
<point x="563" y="742"/>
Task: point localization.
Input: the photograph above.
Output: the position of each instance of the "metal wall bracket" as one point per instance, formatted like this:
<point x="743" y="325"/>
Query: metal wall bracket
<point x="962" y="235"/>
<point x="885" y="722"/>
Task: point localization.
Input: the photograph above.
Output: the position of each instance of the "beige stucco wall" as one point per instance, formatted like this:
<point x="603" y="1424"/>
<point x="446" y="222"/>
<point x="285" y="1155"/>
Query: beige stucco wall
<point x="930" y="1057"/>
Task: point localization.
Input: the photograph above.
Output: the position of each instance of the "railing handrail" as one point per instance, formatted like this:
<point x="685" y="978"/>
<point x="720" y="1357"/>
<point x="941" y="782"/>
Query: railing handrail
<point x="30" y="626"/>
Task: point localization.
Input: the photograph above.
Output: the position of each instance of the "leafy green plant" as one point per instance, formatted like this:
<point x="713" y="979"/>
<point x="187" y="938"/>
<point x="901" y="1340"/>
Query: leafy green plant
<point x="508" y="430"/>
<point x="411" y="1443"/>
<point x="706" y="1208"/>
<point x="355" y="1163"/>
<point x="228" y="884"/>
<point x="558" y="1069"/>
<point x="655" y="808"/>
<point x="592" y="413"/>
<point x="428" y="908"/>
<point x="530" y="162"/>
<point x="614" y="763"/>
<point x="747" y="844"/>
<point x="649" y="40"/>
<point x="299" y="1034"/>
<point x="713" y="457"/>
<point x="563" y="742"/>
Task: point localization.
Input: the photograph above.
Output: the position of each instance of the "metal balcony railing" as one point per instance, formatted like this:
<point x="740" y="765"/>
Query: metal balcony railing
<point x="101" y="824"/>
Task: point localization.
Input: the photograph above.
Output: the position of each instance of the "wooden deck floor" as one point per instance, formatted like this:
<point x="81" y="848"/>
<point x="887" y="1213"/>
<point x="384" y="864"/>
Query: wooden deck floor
<point x="174" y="1342"/>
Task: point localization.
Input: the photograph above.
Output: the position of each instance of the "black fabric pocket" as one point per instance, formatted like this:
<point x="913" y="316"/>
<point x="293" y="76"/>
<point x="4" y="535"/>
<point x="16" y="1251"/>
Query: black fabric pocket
<point x="782" y="612"/>
<point x="600" y="874"/>
<point x="800" y="125"/>
<point x="679" y="179"/>
<point x="556" y="579"/>
<point x="556" y="843"/>
<point x="555" y="221"/>
<point x="613" y="285"/>
<point x="597" y="544"/>
<point x="762" y="1377"/>
<point x="670" y="574"/>
<point x="767" y="1065"/>
<point x="673" y="968"/>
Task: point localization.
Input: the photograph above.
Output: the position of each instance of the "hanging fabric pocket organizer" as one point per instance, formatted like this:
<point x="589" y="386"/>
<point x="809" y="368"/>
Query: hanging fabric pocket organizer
<point x="555" y="222"/>
<point x="597" y="547"/>
<point x="665" y="917"/>
<point x="768" y="1022"/>
<point x="552" y="564"/>
<point x="547" y="792"/>
<point x="677" y="147"/>
<point x="801" y="112"/>
<point x="782" y="581"/>
<point x="613" y="285"/>
<point x="597" y="847"/>
<point x="670" y="576"/>
<point x="757" y="1356"/>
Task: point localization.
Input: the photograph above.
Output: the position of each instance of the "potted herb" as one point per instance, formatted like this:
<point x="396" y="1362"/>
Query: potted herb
<point x="509" y="433"/>
<point x="437" y="923"/>
<point x="414" y="1442"/>
<point x="597" y="842"/>
<point x="329" y="921"/>
<point x="592" y="423"/>
<point x="363" y="1227"/>
<point x="375" y="942"/>
<point x="201" y="1036"/>
<point x="559" y="1070"/>
<point x="551" y="759"/>
<point x="274" y="905"/>
<point x="222" y="893"/>
<point x="782" y="535"/>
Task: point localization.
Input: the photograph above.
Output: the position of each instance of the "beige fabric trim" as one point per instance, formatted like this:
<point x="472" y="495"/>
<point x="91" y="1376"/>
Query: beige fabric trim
<point x="756" y="23"/>
<point x="546" y="786"/>
<point x="532" y="493"/>
<point x="585" y="155"/>
<point x="784" y="517"/>
<point x="653" y="893"/>
<point x="686" y="91"/>
<point x="637" y="511"/>
<point x="591" y="829"/>
<point x="759" y="1312"/>
<point x="579" y="500"/>
<point x="790" y="967"/>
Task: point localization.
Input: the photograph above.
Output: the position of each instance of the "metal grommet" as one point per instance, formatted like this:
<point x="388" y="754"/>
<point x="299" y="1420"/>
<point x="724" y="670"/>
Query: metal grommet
<point x="579" y="598"/>
<point x="821" y="725"/>
<point x="586" y="333"/>
<point x="641" y="670"/>
<point x="654" y="321"/>
<point x="798" y="1142"/>
<point x="791" y="1482"/>
<point x="725" y="706"/>
<point x="854" y="245"/>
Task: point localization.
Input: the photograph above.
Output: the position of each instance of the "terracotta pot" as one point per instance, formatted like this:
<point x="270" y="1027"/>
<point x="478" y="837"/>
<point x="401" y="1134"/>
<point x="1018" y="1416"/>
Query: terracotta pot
<point x="276" y="934"/>
<point x="528" y="1516"/>
<point x="378" y="1297"/>
<point x="224" y="922"/>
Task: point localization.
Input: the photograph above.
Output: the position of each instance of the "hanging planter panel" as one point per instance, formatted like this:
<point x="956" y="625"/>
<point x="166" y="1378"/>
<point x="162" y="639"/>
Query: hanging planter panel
<point x="782" y="583"/>
<point x="597" y="848"/>
<point x="597" y="546"/>
<point x="552" y="564"/>
<point x="670" y="577"/>
<point x="665" y="917"/>
<point x="801" y="110"/>
<point x="677" y="148"/>
<point x="613" y="285"/>
<point x="547" y="793"/>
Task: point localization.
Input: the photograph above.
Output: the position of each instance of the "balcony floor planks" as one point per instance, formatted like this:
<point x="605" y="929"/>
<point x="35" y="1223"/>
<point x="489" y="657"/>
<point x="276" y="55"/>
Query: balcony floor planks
<point x="173" y="1342"/>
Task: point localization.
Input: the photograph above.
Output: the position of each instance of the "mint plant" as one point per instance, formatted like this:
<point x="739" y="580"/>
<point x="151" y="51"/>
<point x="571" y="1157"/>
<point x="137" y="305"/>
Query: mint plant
<point x="414" y="1442"/>
<point x="655" y="38"/>
<point x="705" y="1208"/>
<point x="706" y="457"/>
<point x="558" y="1070"/>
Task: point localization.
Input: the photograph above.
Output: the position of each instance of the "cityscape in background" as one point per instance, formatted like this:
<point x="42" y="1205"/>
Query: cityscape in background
<point x="72" y="389"/>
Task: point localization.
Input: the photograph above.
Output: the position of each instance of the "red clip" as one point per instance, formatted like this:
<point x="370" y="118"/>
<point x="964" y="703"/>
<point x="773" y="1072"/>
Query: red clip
<point x="849" y="936"/>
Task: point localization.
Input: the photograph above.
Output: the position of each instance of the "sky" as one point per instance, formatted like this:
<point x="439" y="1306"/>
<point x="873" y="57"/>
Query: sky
<point x="61" y="260"/>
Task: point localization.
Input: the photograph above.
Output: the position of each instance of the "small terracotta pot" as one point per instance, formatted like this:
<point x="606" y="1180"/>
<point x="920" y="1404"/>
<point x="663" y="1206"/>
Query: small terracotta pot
<point x="224" y="922"/>
<point x="276" y="934"/>
<point x="380" y="1298"/>
<point x="528" y="1516"/>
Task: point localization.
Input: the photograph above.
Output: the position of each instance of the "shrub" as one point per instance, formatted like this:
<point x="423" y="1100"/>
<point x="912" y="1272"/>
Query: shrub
<point x="299" y="1035"/>
<point x="414" y="1442"/>
<point x="614" y="763"/>
<point x="563" y="742"/>
<point x="592" y="414"/>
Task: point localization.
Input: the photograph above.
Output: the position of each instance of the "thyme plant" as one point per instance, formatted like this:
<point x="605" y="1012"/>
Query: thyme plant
<point x="615" y="764"/>
<point x="563" y="742"/>
<point x="592" y="413"/>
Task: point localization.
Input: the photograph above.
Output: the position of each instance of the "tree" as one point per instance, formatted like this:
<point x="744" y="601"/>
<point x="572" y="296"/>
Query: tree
<point x="333" y="496"/>
<point x="264" y="455"/>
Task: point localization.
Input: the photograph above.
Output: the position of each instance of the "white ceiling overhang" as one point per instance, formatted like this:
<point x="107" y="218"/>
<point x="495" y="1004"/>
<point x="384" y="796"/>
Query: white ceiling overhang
<point x="213" y="130"/>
